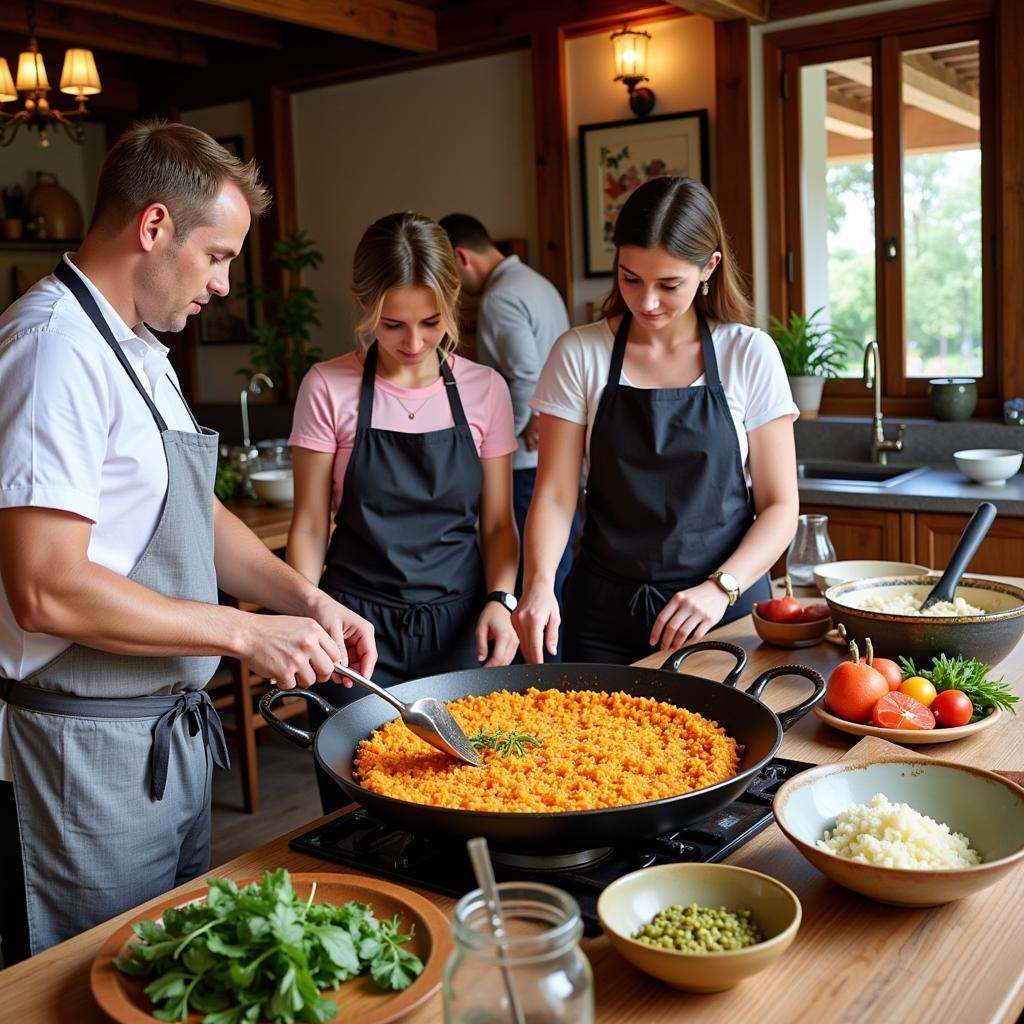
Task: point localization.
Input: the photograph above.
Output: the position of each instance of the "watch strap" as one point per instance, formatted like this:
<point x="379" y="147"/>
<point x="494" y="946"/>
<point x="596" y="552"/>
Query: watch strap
<point x="504" y="598"/>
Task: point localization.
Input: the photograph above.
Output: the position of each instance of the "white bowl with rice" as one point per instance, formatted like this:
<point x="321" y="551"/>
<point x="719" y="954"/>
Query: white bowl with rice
<point x="886" y="849"/>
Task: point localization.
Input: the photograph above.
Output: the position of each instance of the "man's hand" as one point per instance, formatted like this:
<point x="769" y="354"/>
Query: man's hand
<point x="531" y="433"/>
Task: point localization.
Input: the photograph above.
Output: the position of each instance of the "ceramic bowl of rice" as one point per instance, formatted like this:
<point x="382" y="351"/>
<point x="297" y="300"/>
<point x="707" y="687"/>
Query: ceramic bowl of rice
<point x="985" y="620"/>
<point x="916" y="832"/>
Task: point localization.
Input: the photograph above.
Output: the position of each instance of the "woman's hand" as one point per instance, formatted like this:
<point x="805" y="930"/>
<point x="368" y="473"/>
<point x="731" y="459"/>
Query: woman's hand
<point x="536" y="620"/>
<point x="352" y="633"/>
<point x="688" y="615"/>
<point x="495" y="626"/>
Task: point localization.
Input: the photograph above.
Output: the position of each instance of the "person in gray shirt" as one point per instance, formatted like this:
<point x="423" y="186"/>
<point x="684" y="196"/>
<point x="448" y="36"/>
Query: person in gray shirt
<point x="521" y="314"/>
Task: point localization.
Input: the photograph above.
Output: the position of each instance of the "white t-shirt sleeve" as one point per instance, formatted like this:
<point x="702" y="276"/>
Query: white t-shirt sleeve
<point x="55" y="427"/>
<point x="562" y="388"/>
<point x="768" y="394"/>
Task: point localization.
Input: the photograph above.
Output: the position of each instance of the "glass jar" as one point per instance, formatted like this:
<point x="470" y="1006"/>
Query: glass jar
<point x="811" y="546"/>
<point x="537" y="973"/>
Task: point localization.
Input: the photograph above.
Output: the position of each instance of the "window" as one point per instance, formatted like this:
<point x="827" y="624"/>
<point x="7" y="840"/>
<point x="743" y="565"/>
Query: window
<point x="886" y="197"/>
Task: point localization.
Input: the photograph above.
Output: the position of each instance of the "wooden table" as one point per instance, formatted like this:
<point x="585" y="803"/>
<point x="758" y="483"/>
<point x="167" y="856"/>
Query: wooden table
<point x="852" y="961"/>
<point x="269" y="522"/>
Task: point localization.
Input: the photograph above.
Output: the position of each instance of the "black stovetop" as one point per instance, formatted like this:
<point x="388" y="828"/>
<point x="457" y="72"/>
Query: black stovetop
<point x="360" y="840"/>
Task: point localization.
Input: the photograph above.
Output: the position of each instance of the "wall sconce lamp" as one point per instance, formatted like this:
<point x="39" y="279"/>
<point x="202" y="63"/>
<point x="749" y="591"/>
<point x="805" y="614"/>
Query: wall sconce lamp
<point x="630" y="49"/>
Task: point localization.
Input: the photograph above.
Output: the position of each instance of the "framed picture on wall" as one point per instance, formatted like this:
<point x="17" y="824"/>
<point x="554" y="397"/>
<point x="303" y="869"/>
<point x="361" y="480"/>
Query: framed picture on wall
<point x="227" y="320"/>
<point x="618" y="156"/>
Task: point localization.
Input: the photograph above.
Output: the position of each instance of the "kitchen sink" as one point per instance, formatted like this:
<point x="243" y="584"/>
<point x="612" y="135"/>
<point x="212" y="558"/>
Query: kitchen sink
<point x="856" y="474"/>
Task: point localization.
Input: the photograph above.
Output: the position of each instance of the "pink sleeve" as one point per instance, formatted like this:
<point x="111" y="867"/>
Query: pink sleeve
<point x="314" y="424"/>
<point x="500" y="433"/>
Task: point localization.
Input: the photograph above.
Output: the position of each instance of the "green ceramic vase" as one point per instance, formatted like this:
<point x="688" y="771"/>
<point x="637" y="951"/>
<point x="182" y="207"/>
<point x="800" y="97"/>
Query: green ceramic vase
<point x="953" y="398"/>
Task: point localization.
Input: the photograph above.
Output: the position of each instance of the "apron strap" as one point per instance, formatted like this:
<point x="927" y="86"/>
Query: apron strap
<point x="711" y="375"/>
<point x="202" y="717"/>
<point x="619" y="350"/>
<point x="370" y="376"/>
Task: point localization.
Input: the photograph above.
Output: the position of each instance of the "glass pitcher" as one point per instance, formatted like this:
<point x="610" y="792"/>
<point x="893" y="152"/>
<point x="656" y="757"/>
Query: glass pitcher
<point x="537" y="973"/>
<point x="811" y="546"/>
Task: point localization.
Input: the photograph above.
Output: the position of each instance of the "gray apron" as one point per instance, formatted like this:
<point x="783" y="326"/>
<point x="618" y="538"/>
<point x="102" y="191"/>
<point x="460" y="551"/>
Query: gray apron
<point x="109" y="752"/>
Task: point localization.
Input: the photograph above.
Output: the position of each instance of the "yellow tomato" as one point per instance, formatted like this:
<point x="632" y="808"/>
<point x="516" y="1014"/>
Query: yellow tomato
<point x="919" y="688"/>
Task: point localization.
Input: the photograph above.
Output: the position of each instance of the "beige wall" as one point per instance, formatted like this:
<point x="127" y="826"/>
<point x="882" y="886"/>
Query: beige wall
<point x="454" y="137"/>
<point x="681" y="68"/>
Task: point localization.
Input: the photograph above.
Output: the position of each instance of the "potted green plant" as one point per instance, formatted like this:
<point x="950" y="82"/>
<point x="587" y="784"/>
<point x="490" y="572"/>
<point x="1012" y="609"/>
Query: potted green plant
<point x="812" y="352"/>
<point x="281" y="343"/>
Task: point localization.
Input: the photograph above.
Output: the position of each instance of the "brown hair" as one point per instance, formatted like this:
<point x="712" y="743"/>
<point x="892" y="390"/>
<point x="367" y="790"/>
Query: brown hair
<point x="405" y="250"/>
<point x="679" y="216"/>
<point x="174" y="164"/>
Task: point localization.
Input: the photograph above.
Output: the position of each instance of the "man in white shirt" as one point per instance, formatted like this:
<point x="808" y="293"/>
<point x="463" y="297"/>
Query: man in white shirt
<point x="114" y="547"/>
<point x="520" y="316"/>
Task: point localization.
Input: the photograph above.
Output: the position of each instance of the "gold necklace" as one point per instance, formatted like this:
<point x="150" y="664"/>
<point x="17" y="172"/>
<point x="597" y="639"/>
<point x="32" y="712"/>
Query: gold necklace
<point x="411" y="413"/>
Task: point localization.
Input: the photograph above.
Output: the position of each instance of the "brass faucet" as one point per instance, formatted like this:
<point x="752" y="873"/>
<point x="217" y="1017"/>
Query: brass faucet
<point x="880" y="445"/>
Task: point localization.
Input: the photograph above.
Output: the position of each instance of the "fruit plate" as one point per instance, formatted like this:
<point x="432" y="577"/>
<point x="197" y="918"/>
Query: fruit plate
<point x="359" y="1000"/>
<point x="910" y="736"/>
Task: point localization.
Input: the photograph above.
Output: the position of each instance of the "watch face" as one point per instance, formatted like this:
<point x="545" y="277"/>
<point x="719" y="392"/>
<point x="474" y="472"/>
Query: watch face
<point x="509" y="601"/>
<point x="729" y="582"/>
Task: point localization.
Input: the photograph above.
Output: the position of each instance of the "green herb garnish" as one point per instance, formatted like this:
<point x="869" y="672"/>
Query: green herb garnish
<point x="505" y="743"/>
<point x="260" y="953"/>
<point x="970" y="676"/>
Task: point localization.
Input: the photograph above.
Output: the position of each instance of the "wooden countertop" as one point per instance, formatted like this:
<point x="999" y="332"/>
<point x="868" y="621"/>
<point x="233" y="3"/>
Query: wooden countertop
<point x="269" y="522"/>
<point x="853" y="960"/>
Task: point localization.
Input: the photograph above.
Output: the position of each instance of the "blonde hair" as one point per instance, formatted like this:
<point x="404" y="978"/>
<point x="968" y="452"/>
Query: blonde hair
<point x="174" y="164"/>
<point x="405" y="250"/>
<point x="679" y="216"/>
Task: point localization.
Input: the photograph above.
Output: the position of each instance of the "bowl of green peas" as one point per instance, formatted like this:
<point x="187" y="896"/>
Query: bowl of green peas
<point x="699" y="927"/>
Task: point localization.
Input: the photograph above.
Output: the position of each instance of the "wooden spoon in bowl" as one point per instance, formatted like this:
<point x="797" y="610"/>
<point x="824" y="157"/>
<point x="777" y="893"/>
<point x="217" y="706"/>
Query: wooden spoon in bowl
<point x="969" y="542"/>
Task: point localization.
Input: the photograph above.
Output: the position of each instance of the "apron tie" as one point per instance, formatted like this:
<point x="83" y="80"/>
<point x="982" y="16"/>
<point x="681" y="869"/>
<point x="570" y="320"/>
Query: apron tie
<point x="416" y="618"/>
<point x="202" y="717"/>
<point x="651" y="596"/>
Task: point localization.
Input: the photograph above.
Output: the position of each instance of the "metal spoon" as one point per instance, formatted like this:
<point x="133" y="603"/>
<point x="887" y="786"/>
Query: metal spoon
<point x="427" y="718"/>
<point x="974" y="533"/>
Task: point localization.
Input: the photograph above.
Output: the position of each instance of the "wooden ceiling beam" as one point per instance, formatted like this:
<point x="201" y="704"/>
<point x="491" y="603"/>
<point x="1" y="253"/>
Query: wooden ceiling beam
<point x="726" y="10"/>
<point x="846" y="120"/>
<point x="393" y="22"/>
<point x="190" y="16"/>
<point x="104" y="32"/>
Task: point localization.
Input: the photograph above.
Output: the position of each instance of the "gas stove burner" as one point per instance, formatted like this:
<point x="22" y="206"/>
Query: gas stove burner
<point x="551" y="861"/>
<point x="359" y="840"/>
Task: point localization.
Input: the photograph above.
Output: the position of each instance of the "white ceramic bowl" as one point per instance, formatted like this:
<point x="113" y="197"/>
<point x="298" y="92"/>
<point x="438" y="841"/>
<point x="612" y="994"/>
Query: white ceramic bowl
<point x="275" y="486"/>
<point x="831" y="574"/>
<point x="987" y="809"/>
<point x="988" y="465"/>
<point x="631" y="901"/>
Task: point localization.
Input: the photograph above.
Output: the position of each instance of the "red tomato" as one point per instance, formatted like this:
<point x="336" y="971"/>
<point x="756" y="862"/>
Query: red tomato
<point x="815" y="612"/>
<point x="853" y="691"/>
<point x="780" y="609"/>
<point x="900" y="711"/>
<point x="952" y="708"/>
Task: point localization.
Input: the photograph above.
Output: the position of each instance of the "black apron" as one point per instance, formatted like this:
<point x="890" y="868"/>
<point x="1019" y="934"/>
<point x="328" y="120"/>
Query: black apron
<point x="667" y="503"/>
<point x="405" y="552"/>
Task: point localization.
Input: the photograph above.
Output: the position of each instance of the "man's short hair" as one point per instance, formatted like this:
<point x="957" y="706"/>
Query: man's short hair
<point x="467" y="232"/>
<point x="174" y="164"/>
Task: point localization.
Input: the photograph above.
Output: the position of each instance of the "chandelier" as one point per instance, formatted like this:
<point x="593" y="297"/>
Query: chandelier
<point x="79" y="78"/>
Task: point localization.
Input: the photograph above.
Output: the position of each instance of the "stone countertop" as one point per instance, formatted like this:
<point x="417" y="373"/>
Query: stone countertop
<point x="942" y="488"/>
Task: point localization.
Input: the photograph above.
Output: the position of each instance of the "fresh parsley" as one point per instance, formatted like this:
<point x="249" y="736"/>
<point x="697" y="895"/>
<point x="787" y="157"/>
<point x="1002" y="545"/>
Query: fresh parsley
<point x="971" y="677"/>
<point x="504" y="743"/>
<point x="260" y="953"/>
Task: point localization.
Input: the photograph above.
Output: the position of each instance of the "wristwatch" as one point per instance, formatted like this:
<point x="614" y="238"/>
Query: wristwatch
<point x="728" y="583"/>
<point x="505" y="599"/>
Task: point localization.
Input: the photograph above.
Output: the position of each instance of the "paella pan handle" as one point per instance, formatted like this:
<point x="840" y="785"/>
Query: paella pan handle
<point x="300" y="737"/>
<point x="676" y="658"/>
<point x="793" y="714"/>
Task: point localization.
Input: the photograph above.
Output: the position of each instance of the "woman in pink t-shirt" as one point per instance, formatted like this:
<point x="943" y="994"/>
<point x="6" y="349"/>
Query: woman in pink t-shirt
<point x="409" y="446"/>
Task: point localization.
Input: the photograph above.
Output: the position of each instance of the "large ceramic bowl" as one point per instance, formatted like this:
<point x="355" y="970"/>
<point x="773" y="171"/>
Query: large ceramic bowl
<point x="633" y="900"/>
<point x="831" y="574"/>
<point x="986" y="808"/>
<point x="989" y="637"/>
<point x="275" y="486"/>
<point x="988" y="465"/>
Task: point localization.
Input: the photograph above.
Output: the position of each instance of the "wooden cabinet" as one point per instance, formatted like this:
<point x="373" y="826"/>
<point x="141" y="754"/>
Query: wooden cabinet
<point x="861" y="532"/>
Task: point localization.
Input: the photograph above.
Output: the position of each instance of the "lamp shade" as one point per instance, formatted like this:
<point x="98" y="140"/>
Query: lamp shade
<point x="79" y="77"/>
<point x="630" y="49"/>
<point x="7" y="91"/>
<point x="32" y="71"/>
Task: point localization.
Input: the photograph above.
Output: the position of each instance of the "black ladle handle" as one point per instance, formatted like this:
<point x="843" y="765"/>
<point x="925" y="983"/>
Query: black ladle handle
<point x="969" y="542"/>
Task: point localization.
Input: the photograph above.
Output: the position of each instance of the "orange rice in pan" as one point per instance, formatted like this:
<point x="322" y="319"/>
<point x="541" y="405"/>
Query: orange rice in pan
<point x="599" y="750"/>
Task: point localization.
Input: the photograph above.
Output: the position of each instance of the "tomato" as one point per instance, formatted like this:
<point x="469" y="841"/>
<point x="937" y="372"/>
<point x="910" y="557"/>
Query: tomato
<point x="780" y="609"/>
<point x="854" y="688"/>
<point x="952" y="708"/>
<point x="919" y="688"/>
<point x="900" y="711"/>
<point x="815" y="612"/>
<point x="892" y="672"/>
